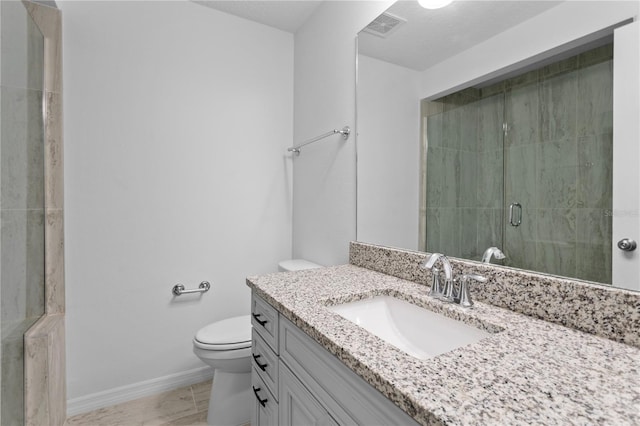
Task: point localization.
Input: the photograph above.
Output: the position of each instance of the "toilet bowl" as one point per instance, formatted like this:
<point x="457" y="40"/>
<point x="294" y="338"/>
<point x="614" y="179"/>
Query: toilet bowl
<point x="226" y="347"/>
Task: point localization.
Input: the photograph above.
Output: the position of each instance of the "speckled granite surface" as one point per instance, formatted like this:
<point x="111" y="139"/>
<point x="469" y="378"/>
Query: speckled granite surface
<point x="531" y="372"/>
<point x="601" y="310"/>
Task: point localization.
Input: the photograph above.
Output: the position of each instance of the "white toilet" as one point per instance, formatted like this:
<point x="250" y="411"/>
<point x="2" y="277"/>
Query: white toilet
<point x="226" y="347"/>
<point x="296" y="265"/>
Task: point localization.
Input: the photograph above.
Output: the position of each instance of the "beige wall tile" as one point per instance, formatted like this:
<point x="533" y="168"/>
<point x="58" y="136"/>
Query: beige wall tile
<point x="57" y="383"/>
<point x="35" y="376"/>
<point x="45" y="378"/>
<point x="53" y="153"/>
<point x="49" y="21"/>
<point x="54" y="262"/>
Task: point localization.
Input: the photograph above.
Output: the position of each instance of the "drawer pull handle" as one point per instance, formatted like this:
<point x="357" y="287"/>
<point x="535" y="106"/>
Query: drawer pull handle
<point x="261" y="366"/>
<point x="262" y="402"/>
<point x="257" y="316"/>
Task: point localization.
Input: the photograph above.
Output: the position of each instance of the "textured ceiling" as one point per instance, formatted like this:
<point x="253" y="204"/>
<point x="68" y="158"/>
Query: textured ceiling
<point x="431" y="36"/>
<point x="288" y="15"/>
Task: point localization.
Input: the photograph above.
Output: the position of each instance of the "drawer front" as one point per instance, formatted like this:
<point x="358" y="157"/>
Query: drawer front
<point x="265" y="411"/>
<point x="264" y="319"/>
<point x="265" y="362"/>
<point x="347" y="397"/>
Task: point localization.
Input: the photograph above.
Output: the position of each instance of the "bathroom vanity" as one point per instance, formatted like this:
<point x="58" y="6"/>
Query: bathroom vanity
<point x="296" y="381"/>
<point x="313" y="366"/>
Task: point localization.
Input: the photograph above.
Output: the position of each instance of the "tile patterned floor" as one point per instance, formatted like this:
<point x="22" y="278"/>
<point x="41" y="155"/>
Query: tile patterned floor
<point x="184" y="406"/>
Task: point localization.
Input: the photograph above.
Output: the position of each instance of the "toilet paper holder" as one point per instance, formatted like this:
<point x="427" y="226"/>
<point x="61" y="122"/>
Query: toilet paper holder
<point x="179" y="290"/>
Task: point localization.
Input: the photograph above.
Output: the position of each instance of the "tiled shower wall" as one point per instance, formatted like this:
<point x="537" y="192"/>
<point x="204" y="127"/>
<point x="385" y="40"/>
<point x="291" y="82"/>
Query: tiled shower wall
<point x="44" y="359"/>
<point x="22" y="212"/>
<point x="33" y="390"/>
<point x="464" y="179"/>
<point x="553" y="157"/>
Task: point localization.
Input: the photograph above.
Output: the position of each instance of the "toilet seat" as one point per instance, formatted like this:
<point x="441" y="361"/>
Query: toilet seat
<point x="222" y="347"/>
<point x="227" y="335"/>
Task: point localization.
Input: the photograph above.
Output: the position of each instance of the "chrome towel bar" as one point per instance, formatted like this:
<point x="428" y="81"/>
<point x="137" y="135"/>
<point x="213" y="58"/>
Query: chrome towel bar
<point x="345" y="132"/>
<point x="178" y="289"/>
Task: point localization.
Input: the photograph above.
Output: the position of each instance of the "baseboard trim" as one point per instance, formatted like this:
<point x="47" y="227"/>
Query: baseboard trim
<point x="133" y="391"/>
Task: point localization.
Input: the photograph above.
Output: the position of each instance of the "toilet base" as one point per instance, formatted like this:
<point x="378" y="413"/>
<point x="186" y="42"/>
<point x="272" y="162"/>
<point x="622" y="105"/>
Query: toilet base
<point x="230" y="401"/>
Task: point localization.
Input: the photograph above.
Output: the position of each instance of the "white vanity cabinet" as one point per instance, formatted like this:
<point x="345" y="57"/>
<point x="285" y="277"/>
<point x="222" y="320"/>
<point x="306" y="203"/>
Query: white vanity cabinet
<point x="312" y="386"/>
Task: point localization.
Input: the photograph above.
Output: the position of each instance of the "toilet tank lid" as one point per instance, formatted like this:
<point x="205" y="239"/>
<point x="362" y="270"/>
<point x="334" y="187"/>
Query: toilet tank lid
<point x="226" y="331"/>
<point x="297" y="265"/>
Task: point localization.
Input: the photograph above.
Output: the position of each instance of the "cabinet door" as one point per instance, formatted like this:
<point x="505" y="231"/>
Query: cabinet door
<point x="297" y="405"/>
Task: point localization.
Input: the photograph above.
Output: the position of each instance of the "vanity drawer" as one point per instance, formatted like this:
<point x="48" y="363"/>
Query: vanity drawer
<point x="265" y="362"/>
<point x="264" y="319"/>
<point x="265" y="411"/>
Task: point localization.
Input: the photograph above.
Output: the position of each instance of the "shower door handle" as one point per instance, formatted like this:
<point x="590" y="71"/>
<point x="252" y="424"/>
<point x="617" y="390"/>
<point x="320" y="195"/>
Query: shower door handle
<point x="512" y="217"/>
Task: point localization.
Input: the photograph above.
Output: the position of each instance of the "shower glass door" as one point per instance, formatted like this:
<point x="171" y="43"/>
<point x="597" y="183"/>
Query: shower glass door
<point x="525" y="164"/>
<point x="21" y="198"/>
<point x="558" y="167"/>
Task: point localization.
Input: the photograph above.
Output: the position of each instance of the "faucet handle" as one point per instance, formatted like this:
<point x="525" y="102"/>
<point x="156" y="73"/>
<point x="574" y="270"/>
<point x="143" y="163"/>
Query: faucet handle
<point x="464" y="293"/>
<point x="436" y="290"/>
<point x="475" y="277"/>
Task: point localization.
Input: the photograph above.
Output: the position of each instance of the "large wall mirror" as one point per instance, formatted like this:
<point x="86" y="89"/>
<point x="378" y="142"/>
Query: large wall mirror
<point x="504" y="124"/>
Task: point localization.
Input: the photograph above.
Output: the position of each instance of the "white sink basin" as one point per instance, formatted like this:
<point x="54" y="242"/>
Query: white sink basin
<point x="410" y="328"/>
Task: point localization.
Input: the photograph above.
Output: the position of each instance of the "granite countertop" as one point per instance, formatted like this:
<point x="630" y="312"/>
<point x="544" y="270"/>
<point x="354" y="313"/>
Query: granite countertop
<point x="528" y="371"/>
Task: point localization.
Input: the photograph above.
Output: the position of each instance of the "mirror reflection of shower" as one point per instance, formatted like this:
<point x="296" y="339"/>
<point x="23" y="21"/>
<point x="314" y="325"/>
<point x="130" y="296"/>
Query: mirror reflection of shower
<point x="525" y="164"/>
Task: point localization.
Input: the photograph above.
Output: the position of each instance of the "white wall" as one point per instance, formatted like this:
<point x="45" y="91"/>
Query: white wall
<point x="324" y="206"/>
<point x="177" y="119"/>
<point x="388" y="153"/>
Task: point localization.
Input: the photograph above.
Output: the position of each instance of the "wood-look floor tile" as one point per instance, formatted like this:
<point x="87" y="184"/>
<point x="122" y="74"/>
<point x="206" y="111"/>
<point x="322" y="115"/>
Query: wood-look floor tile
<point x="201" y="395"/>
<point x="170" y="407"/>
<point x="197" y="419"/>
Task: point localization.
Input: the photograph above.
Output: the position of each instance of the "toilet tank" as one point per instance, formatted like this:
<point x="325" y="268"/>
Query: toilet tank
<point x="296" y="265"/>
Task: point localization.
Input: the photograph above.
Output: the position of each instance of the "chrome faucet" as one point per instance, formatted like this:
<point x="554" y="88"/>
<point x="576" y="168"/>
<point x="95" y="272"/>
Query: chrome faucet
<point x="447" y="292"/>
<point x="492" y="251"/>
